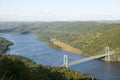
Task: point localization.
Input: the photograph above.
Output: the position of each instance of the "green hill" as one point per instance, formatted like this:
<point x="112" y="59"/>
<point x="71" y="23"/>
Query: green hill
<point x="93" y="43"/>
<point x="38" y="27"/>
<point x="20" y="68"/>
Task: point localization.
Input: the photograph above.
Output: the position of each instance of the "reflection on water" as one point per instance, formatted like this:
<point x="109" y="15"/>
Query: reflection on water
<point x="41" y="53"/>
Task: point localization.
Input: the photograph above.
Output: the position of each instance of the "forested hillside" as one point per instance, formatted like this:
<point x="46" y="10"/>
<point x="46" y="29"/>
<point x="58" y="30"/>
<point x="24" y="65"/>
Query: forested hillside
<point x="20" y="68"/>
<point x="38" y="27"/>
<point x="92" y="40"/>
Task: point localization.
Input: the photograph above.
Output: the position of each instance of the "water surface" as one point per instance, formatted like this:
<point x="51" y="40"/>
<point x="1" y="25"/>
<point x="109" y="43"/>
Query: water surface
<point x="41" y="53"/>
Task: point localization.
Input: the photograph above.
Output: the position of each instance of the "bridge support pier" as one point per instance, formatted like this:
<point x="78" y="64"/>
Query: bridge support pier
<point x="65" y="61"/>
<point x="108" y="52"/>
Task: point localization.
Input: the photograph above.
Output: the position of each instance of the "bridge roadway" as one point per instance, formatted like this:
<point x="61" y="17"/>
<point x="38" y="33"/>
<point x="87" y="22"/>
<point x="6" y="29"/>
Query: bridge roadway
<point x="87" y="59"/>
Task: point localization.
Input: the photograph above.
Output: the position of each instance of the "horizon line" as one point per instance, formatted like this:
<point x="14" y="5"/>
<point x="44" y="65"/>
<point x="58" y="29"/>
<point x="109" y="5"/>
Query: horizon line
<point x="59" y="20"/>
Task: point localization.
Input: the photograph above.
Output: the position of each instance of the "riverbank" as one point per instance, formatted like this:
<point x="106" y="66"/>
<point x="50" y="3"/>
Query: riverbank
<point x="4" y="45"/>
<point x="65" y="46"/>
<point x="69" y="48"/>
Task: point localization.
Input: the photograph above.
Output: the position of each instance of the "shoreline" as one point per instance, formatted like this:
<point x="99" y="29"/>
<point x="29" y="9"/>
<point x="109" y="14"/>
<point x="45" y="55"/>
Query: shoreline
<point x="66" y="47"/>
<point x="7" y="47"/>
<point x="69" y="48"/>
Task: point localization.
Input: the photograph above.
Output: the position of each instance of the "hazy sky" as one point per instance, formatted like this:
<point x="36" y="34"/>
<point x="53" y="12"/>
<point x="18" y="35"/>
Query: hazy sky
<point x="59" y="10"/>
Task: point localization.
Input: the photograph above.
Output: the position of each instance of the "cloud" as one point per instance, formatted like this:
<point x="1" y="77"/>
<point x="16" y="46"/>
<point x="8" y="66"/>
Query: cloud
<point x="52" y="17"/>
<point x="44" y="16"/>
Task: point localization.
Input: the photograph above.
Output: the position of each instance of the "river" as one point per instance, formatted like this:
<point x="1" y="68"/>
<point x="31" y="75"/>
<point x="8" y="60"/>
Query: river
<point x="27" y="45"/>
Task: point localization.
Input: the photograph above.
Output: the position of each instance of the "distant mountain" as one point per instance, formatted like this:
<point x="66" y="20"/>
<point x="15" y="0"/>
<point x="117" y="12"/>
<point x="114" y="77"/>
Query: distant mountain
<point x="108" y="21"/>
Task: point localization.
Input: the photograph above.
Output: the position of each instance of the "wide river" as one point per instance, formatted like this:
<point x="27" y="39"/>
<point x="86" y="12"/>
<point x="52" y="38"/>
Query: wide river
<point x="41" y="53"/>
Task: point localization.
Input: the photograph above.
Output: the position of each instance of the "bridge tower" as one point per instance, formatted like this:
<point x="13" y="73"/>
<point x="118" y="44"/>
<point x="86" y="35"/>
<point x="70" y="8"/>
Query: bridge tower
<point x="65" y="61"/>
<point x="108" y="52"/>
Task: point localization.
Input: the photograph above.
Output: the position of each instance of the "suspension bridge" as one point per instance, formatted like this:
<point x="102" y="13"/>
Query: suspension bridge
<point x="107" y="54"/>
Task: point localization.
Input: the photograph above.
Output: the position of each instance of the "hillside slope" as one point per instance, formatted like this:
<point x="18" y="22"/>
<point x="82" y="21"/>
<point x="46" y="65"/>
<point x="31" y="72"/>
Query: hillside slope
<point x="91" y="41"/>
<point x="94" y="42"/>
<point x="20" y="68"/>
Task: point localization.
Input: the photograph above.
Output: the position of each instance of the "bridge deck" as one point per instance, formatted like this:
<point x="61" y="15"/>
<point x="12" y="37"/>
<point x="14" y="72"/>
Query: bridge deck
<point x="86" y="59"/>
